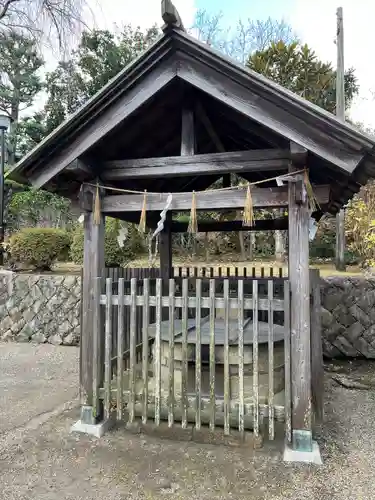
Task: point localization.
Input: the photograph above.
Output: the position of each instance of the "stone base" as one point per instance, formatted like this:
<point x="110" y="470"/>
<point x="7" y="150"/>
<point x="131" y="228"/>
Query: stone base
<point x="96" y="430"/>
<point x="307" y="457"/>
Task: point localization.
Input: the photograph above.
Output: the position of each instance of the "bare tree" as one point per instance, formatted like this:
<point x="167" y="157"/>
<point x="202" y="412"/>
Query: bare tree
<point x="245" y="38"/>
<point x="258" y="35"/>
<point x="45" y="20"/>
<point x="208" y="29"/>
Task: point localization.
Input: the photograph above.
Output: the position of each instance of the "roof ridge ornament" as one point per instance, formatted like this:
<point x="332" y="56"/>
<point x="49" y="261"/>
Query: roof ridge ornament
<point x="170" y="16"/>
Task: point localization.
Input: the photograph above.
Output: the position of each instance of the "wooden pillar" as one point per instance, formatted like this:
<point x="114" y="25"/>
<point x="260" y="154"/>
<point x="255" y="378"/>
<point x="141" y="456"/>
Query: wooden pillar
<point x="300" y="306"/>
<point x="93" y="266"/>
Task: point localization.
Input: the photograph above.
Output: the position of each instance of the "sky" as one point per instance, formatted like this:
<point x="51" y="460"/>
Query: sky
<point x="314" y="21"/>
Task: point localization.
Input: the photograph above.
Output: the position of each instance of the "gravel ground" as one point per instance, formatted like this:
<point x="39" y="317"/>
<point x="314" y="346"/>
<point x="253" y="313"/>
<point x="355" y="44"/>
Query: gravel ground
<point x="35" y="380"/>
<point x="48" y="462"/>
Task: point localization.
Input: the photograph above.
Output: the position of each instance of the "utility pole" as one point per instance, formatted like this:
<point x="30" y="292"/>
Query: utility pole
<point x="340" y="113"/>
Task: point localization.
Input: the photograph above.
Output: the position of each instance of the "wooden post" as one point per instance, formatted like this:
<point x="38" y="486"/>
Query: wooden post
<point x="93" y="266"/>
<point x="300" y="306"/>
<point x="340" y="113"/>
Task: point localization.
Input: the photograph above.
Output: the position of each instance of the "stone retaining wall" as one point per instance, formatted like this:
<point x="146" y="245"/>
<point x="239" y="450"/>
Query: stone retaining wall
<point x="46" y="308"/>
<point x="348" y="317"/>
<point x="43" y="308"/>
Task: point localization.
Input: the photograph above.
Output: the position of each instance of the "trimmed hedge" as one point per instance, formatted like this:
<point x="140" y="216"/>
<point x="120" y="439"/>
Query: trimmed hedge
<point x="38" y="247"/>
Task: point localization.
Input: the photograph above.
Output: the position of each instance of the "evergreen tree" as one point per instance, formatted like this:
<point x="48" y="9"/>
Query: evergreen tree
<point x="20" y="81"/>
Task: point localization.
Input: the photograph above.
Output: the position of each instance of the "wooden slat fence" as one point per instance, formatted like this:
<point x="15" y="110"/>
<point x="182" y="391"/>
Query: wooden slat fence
<point x="131" y="303"/>
<point x="134" y="381"/>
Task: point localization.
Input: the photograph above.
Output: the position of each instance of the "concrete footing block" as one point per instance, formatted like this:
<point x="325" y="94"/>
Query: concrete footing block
<point x="307" y="457"/>
<point x="96" y="430"/>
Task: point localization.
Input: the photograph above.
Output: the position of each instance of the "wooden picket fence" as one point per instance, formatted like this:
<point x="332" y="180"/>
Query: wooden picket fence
<point x="138" y="317"/>
<point x="139" y="349"/>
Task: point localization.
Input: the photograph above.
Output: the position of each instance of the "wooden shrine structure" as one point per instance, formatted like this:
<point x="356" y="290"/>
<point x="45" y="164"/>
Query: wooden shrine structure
<point x="176" y="120"/>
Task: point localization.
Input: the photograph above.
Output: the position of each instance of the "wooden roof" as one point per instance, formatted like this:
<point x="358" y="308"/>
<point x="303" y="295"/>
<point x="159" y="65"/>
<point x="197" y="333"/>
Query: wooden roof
<point x="138" y="115"/>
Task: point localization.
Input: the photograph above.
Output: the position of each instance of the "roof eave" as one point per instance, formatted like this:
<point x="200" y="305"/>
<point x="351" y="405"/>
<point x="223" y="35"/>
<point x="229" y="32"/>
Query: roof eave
<point x="209" y="55"/>
<point x="83" y="112"/>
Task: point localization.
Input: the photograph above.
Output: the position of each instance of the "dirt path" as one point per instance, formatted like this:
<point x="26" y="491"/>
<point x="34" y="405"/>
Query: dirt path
<point x="48" y="462"/>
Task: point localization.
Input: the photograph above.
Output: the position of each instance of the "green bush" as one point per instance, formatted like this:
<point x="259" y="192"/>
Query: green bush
<point x="38" y="247"/>
<point x="114" y="255"/>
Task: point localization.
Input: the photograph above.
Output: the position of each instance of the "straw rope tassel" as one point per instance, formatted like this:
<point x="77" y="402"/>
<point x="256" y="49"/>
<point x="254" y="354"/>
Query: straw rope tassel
<point x="97" y="209"/>
<point x="314" y="205"/>
<point x="248" y="211"/>
<point x="142" y="220"/>
<point x="193" y="223"/>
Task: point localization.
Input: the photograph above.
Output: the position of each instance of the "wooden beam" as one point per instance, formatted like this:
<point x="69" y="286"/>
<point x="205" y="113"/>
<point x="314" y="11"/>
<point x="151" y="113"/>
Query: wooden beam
<point x="187" y="133"/>
<point x="129" y="101"/>
<point x="264" y="160"/>
<point x="237" y="92"/>
<point x="280" y="223"/>
<point x="80" y="166"/>
<point x="275" y="197"/>
<point x="202" y="115"/>
<point x="298" y="212"/>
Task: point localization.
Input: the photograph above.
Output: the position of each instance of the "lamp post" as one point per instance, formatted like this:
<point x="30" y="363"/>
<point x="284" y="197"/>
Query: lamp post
<point x="4" y="125"/>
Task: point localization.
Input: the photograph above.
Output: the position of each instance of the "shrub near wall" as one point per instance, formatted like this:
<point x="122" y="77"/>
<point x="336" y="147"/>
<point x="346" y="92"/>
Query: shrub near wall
<point x="38" y="248"/>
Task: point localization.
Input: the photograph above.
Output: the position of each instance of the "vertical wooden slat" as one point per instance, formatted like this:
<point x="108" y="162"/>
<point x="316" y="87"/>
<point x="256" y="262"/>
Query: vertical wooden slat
<point x="241" y="406"/>
<point x="96" y="344"/>
<point x="108" y="347"/>
<point x="211" y="272"/>
<point x="228" y="272"/>
<point x="226" y="358"/>
<point x="317" y="368"/>
<point x="198" y="351"/>
<point x="288" y="394"/>
<point x="220" y="272"/>
<point x="262" y="272"/>
<point x="253" y="271"/>
<point x="171" y="354"/>
<point x="212" y="355"/>
<point x="236" y="272"/>
<point x="157" y="350"/>
<point x="280" y="272"/>
<point x="255" y="358"/>
<point x="184" y="364"/>
<point x="271" y="422"/>
<point x="120" y="348"/>
<point x="271" y="272"/>
<point x="145" y="347"/>
<point x="195" y="272"/>
<point x="132" y="361"/>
